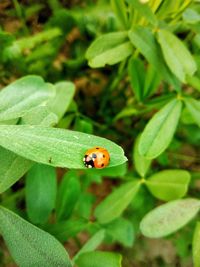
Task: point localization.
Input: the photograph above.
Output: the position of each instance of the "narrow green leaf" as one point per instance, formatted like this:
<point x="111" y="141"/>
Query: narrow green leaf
<point x="193" y="107"/>
<point x="141" y="163"/>
<point x="41" y="187"/>
<point x="56" y="147"/>
<point x="144" y="10"/>
<point x="112" y="56"/>
<point x="99" y="259"/>
<point x="64" y="94"/>
<point x="196" y="245"/>
<point x="23" y="95"/>
<point x="91" y="244"/>
<point x="29" y="244"/>
<point x="136" y="73"/>
<point x="144" y="40"/>
<point x="169" y="184"/>
<point x="113" y="205"/>
<point x="68" y="194"/>
<point x="177" y="56"/>
<point x="160" y="130"/>
<point x="109" y="48"/>
<point x="119" y="8"/>
<point x="168" y="218"/>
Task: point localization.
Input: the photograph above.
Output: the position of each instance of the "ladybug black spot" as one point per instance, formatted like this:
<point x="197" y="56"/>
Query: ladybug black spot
<point x="97" y="147"/>
<point x="102" y="165"/>
<point x="104" y="156"/>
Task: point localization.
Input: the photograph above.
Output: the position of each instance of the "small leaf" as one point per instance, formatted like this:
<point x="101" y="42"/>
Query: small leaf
<point x="55" y="147"/>
<point x="160" y="130"/>
<point x="109" y="49"/>
<point x="64" y="94"/>
<point x="23" y="95"/>
<point x="113" y="205"/>
<point x="168" y="218"/>
<point x="169" y="184"/>
<point x="141" y="163"/>
<point x="67" y="196"/>
<point x="29" y="244"/>
<point x="91" y="244"/>
<point x="41" y="190"/>
<point x="136" y="73"/>
<point x="66" y="229"/>
<point x="193" y="107"/>
<point x="177" y="56"/>
<point x="144" y="40"/>
<point x="99" y="259"/>
<point x="196" y="246"/>
<point x="121" y="230"/>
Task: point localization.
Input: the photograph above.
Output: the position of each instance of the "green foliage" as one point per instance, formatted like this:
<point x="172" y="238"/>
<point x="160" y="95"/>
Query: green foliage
<point x="27" y="243"/>
<point x="135" y="72"/>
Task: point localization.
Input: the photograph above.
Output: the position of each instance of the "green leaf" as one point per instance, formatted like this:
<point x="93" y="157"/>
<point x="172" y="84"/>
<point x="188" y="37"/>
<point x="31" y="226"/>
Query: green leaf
<point x="141" y="163"/>
<point x="109" y="49"/>
<point x="56" y="147"/>
<point x="116" y="171"/>
<point x="169" y="184"/>
<point x="99" y="259"/>
<point x="160" y="130"/>
<point x="136" y="73"/>
<point x="13" y="167"/>
<point x="177" y="56"/>
<point x="91" y="244"/>
<point x="119" y="8"/>
<point x="113" y="205"/>
<point x="144" y="40"/>
<point x="29" y="244"/>
<point x="64" y="94"/>
<point x="193" y="107"/>
<point x="41" y="187"/>
<point x="122" y="231"/>
<point x="144" y="10"/>
<point x="66" y="229"/>
<point x="196" y="246"/>
<point x="68" y="194"/>
<point x="168" y="218"/>
<point x="22" y="96"/>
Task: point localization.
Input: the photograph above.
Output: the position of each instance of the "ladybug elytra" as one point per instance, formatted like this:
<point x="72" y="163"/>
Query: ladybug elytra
<point x="97" y="157"/>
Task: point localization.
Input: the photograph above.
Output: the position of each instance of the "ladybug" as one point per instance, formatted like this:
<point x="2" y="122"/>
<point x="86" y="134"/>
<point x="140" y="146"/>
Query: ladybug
<point x="97" y="157"/>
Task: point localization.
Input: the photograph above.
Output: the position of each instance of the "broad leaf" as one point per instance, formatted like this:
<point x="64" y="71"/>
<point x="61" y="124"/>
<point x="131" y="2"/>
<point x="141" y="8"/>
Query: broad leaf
<point x="91" y="244"/>
<point x="41" y="187"/>
<point x="56" y="147"/>
<point x="23" y="95"/>
<point x="196" y="246"/>
<point x="141" y="163"/>
<point x="168" y="218"/>
<point x="68" y="194"/>
<point x="177" y="56"/>
<point x="29" y="244"/>
<point x="113" y="205"/>
<point x="64" y="94"/>
<point x="99" y="259"/>
<point x="193" y="107"/>
<point x="109" y="49"/>
<point x="169" y="184"/>
<point x="160" y="130"/>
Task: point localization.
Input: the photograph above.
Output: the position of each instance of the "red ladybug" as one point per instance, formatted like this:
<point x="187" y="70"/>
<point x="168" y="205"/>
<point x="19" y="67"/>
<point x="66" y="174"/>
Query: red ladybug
<point x="97" y="157"/>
